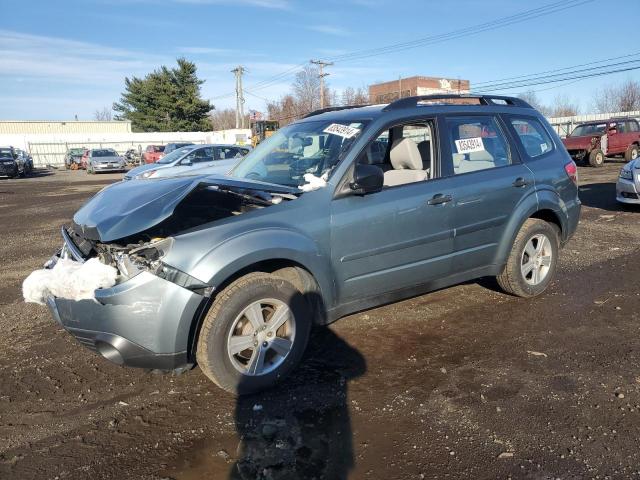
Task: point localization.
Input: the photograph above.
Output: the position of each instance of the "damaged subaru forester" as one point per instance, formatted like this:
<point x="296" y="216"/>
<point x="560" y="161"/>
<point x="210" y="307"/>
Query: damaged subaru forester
<point x="344" y="210"/>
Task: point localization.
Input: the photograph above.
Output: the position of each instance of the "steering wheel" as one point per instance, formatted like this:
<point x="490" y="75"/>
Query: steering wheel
<point x="253" y="176"/>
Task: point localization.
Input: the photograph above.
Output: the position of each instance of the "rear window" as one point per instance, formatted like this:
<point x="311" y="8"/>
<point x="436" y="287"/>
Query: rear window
<point x="104" y="153"/>
<point x="533" y="137"/>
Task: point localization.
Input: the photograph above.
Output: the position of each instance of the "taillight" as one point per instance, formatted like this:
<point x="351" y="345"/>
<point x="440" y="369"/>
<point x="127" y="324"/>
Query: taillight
<point x="572" y="171"/>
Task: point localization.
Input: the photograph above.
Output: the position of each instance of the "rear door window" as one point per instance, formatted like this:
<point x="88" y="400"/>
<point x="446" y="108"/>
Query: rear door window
<point x="476" y="143"/>
<point x="533" y="137"/>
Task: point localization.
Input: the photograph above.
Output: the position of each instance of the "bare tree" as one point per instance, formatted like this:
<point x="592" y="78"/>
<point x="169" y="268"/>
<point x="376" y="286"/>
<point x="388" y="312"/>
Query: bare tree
<point x="104" y="115"/>
<point x="563" y="107"/>
<point x="225" y="119"/>
<point x="285" y="110"/>
<point x="532" y="99"/>
<point x="629" y="96"/>
<point x="306" y="88"/>
<point x="351" y="96"/>
<point x="621" y="98"/>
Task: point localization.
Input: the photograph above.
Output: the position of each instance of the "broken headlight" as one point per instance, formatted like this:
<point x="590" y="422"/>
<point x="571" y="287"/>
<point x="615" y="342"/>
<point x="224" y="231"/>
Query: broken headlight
<point x="143" y="258"/>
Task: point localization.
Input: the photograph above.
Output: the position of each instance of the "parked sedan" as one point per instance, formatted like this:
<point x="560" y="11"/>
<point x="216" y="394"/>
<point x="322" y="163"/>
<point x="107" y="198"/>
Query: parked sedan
<point x="12" y="164"/>
<point x="628" y="186"/>
<point x="105" y="160"/>
<point x="219" y="158"/>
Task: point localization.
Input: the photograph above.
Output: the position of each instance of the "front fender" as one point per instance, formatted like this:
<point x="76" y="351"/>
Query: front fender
<point x="248" y="248"/>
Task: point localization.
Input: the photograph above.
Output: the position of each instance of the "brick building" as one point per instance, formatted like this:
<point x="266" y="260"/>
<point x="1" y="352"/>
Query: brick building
<point x="407" y="87"/>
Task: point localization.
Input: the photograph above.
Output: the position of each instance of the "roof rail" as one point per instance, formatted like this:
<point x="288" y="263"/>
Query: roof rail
<point x="333" y="109"/>
<point x="443" y="99"/>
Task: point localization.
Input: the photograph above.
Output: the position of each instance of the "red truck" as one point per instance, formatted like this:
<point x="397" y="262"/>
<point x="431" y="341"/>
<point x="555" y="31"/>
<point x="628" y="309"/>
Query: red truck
<point x="152" y="153"/>
<point x="592" y="142"/>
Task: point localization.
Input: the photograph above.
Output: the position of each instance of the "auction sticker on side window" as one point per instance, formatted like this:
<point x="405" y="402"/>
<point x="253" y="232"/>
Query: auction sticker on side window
<point x="344" y="131"/>
<point x="468" y="145"/>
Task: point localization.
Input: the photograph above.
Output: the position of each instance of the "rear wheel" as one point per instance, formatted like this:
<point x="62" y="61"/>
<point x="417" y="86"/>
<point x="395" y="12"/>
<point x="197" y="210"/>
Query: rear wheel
<point x="596" y="158"/>
<point x="532" y="262"/>
<point x="632" y="152"/>
<point x="254" y="333"/>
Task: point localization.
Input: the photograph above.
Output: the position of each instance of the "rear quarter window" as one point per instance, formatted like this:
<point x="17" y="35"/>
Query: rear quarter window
<point x="532" y="136"/>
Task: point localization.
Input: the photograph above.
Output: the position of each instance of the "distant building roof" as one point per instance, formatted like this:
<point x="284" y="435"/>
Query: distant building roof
<point x="18" y="127"/>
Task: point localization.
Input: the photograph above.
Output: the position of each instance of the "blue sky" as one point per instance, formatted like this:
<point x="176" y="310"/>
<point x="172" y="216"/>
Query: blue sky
<point x="65" y="57"/>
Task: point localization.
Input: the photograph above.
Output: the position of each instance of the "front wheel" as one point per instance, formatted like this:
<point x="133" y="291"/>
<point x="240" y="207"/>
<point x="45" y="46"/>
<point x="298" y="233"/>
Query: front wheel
<point x="596" y="158"/>
<point x="632" y="152"/>
<point x="532" y="262"/>
<point x="254" y="333"/>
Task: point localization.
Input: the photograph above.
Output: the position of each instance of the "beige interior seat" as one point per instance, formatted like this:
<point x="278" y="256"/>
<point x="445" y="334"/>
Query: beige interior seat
<point x="407" y="164"/>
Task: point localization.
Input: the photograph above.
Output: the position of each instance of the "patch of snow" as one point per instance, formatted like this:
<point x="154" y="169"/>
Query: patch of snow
<point x="68" y="279"/>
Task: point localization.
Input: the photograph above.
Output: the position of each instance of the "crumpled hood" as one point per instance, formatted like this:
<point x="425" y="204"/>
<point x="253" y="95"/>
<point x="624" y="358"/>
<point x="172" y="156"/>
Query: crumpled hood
<point x="126" y="208"/>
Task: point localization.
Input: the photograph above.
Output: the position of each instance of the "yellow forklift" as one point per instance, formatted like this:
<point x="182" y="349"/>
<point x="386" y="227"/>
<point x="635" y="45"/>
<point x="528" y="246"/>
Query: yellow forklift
<point x="261" y="129"/>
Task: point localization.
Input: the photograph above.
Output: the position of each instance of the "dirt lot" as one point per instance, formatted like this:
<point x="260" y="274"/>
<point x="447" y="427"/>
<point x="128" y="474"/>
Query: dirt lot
<point x="462" y="383"/>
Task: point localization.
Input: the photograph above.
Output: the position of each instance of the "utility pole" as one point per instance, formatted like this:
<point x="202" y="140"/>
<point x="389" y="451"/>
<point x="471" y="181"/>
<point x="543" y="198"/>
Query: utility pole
<point x="239" y="70"/>
<point x="321" y="75"/>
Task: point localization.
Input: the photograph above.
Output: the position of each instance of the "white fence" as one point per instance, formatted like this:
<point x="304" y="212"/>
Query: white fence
<point x="49" y="150"/>
<point x="564" y="125"/>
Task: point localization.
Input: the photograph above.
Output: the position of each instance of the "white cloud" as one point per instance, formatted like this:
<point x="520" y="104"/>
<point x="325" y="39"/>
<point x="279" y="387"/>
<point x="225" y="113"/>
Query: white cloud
<point x="329" y="30"/>
<point x="277" y="4"/>
<point x="205" y="51"/>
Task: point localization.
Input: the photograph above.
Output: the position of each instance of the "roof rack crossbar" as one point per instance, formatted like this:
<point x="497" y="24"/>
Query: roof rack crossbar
<point x="409" y="102"/>
<point x="333" y="109"/>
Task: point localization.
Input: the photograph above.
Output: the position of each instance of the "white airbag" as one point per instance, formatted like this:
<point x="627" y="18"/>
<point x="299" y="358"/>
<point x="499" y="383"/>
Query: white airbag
<point x="68" y="279"/>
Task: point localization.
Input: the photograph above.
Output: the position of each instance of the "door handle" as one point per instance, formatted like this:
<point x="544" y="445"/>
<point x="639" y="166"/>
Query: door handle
<point x="520" y="182"/>
<point x="440" y="199"/>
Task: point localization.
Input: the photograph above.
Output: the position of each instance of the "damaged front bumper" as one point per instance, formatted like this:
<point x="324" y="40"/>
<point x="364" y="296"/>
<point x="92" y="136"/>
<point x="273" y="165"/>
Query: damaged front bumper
<point x="144" y="321"/>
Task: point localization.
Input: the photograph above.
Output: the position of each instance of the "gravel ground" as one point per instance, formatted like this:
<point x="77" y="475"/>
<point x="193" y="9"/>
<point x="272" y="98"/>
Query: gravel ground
<point x="464" y="382"/>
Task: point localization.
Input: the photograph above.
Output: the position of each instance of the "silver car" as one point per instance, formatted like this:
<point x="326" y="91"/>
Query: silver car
<point x="218" y="159"/>
<point x="105" y="160"/>
<point x="628" y="186"/>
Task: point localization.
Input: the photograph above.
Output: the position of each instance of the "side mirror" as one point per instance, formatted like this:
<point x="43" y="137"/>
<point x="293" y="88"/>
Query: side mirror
<point x="367" y="179"/>
<point x="613" y="130"/>
<point x="186" y="162"/>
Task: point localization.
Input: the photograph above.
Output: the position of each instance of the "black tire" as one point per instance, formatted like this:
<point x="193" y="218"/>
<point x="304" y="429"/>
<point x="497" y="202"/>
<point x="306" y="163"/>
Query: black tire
<point x="632" y="152"/>
<point x="212" y="349"/>
<point x="596" y="158"/>
<point x="512" y="280"/>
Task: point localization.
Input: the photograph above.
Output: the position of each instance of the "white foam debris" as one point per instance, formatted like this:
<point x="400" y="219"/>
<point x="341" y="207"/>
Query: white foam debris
<point x="68" y="279"/>
<point x="313" y="182"/>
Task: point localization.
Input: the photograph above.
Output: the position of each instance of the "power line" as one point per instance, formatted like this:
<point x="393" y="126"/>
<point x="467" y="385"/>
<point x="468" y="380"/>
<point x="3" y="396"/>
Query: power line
<point x="569" y="76"/>
<point x="455" y="34"/>
<point x="321" y="74"/>
<point x="472" y="30"/>
<point x="557" y="69"/>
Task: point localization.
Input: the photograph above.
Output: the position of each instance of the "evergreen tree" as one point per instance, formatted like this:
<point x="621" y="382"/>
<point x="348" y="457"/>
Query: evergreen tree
<point x="166" y="100"/>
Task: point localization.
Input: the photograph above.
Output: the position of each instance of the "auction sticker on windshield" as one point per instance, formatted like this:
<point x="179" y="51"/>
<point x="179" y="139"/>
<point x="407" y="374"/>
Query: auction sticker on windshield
<point x="344" y="131"/>
<point x="468" y="145"/>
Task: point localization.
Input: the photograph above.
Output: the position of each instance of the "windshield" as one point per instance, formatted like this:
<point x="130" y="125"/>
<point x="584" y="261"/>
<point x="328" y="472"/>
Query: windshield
<point x="300" y="148"/>
<point x="76" y="151"/>
<point x="175" y="155"/>
<point x="588" y="129"/>
<point x="6" y="153"/>
<point x="107" y="152"/>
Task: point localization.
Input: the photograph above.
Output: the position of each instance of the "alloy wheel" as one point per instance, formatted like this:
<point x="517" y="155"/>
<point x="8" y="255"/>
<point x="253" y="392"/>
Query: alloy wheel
<point x="261" y="337"/>
<point x="536" y="259"/>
